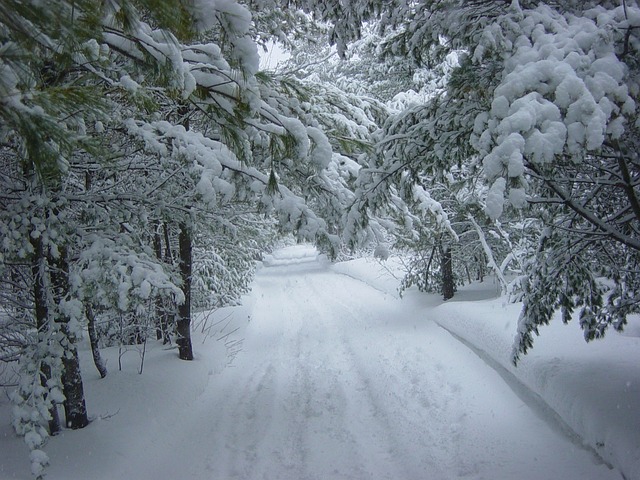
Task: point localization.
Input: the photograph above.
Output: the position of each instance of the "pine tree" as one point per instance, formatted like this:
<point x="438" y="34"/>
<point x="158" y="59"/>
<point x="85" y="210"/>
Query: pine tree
<point x="540" y="108"/>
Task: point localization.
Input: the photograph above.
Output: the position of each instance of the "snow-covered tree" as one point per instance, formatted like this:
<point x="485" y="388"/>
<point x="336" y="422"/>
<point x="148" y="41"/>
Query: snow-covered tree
<point x="43" y="105"/>
<point x="541" y="106"/>
<point x="124" y="120"/>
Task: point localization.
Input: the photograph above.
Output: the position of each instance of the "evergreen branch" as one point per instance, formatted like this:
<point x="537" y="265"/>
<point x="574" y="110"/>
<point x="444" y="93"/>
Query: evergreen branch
<point x="586" y="214"/>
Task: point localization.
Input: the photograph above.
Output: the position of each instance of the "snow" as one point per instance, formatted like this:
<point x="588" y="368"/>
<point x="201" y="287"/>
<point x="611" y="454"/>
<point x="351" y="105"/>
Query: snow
<point x="428" y="205"/>
<point x="495" y="199"/>
<point x="564" y="89"/>
<point x="129" y="84"/>
<point x="321" y="152"/>
<point x="592" y="387"/>
<point x="324" y="373"/>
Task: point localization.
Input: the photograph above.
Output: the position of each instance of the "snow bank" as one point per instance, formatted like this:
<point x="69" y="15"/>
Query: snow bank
<point x="131" y="412"/>
<point x="593" y="387"/>
<point x="384" y="276"/>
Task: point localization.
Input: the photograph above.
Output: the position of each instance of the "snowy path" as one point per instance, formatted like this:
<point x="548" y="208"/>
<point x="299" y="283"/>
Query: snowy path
<point x="336" y="380"/>
<point x="333" y="385"/>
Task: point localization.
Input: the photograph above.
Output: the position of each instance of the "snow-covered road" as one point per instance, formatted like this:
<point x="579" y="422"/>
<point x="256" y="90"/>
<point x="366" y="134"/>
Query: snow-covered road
<point x="335" y="380"/>
<point x="338" y="381"/>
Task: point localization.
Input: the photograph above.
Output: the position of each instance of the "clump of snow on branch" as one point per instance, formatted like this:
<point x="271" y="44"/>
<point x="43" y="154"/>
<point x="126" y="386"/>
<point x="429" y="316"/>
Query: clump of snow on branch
<point x="116" y="277"/>
<point x="321" y="150"/>
<point x="235" y="21"/>
<point x="563" y="92"/>
<point x="426" y="204"/>
<point x="219" y="174"/>
<point x="35" y="398"/>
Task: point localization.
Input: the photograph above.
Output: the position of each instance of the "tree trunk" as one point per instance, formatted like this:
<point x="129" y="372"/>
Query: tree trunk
<point x="168" y="254"/>
<point x="42" y="321"/>
<point x="93" y="339"/>
<point x="169" y="306"/>
<point x="74" y="405"/>
<point x="448" y="282"/>
<point x="480" y="262"/>
<point x="185" y="350"/>
<point x="185" y="247"/>
<point x="75" y="408"/>
<point x="157" y="248"/>
<point x="135" y="331"/>
<point x="427" y="272"/>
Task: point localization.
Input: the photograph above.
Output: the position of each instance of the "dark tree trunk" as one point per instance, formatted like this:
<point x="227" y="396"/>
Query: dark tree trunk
<point x="185" y="247"/>
<point x="136" y="334"/>
<point x="75" y="409"/>
<point x="157" y="248"/>
<point x="448" y="282"/>
<point x="74" y="405"/>
<point x="42" y="321"/>
<point x="481" y="263"/>
<point x="185" y="350"/>
<point x="157" y="241"/>
<point x="93" y="339"/>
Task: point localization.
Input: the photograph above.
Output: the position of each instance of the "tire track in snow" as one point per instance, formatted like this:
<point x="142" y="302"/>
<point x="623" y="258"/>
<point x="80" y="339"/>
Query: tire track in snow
<point x="254" y="407"/>
<point x="270" y="454"/>
<point x="420" y="431"/>
<point x="345" y="420"/>
<point x="454" y="414"/>
<point x="251" y="406"/>
<point x="320" y="397"/>
<point x="307" y="397"/>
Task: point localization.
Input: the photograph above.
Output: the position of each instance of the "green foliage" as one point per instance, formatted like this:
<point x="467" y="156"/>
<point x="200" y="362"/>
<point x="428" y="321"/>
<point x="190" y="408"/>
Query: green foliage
<point x="564" y="275"/>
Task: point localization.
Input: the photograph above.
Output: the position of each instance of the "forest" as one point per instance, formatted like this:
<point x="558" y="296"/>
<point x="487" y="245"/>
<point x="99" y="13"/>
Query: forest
<point x="148" y="162"/>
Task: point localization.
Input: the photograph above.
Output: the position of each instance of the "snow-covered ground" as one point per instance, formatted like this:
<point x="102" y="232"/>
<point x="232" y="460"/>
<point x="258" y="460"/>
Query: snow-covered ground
<point x="324" y="373"/>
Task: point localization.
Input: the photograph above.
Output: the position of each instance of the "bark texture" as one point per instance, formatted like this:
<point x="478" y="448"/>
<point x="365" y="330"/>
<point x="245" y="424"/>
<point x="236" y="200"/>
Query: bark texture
<point x="448" y="282"/>
<point x="185" y="350"/>
<point x="74" y="405"/>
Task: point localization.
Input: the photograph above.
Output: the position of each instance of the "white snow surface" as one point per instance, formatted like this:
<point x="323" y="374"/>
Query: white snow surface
<point x="324" y="373"/>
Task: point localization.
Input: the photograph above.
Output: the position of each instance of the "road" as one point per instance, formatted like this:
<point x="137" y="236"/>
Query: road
<point x="339" y="381"/>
